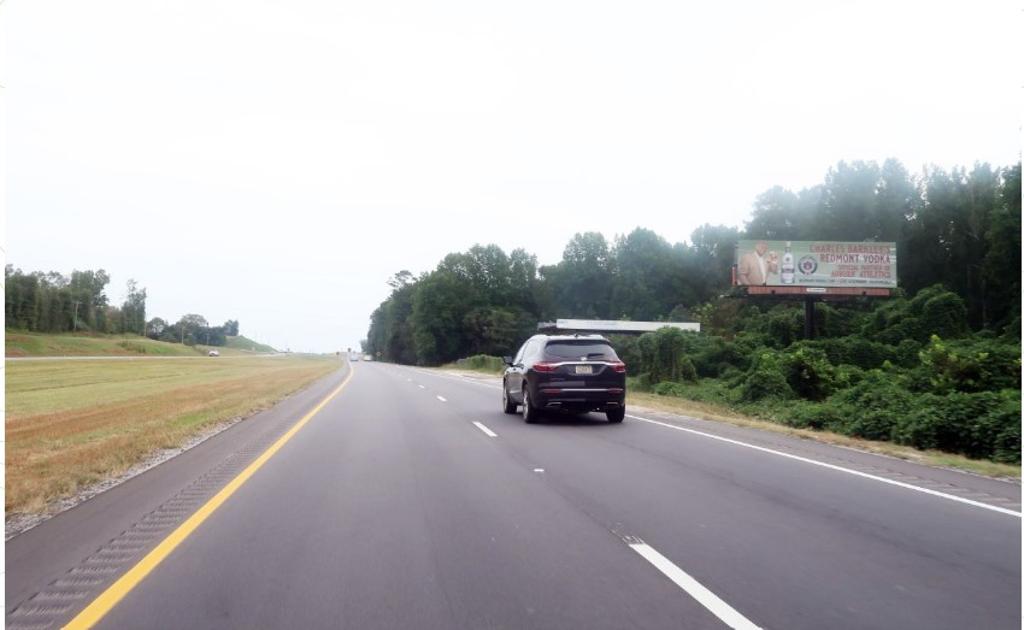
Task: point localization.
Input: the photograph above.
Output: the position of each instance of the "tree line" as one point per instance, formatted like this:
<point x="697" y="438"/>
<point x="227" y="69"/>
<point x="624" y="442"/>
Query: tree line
<point x="51" y="302"/>
<point x="958" y="228"/>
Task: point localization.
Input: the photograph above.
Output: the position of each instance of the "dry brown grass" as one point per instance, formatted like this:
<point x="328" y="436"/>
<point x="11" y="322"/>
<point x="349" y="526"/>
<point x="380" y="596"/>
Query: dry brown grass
<point x="62" y="437"/>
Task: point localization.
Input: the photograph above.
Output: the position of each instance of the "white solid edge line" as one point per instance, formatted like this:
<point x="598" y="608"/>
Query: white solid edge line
<point x="806" y="460"/>
<point x="695" y="589"/>
<point x="442" y="399"/>
<point x="481" y="426"/>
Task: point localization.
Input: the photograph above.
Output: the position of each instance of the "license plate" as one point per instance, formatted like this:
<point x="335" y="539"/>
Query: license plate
<point x="584" y="369"/>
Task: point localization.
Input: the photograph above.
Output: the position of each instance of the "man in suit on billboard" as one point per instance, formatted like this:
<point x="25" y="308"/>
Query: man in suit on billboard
<point x="754" y="267"/>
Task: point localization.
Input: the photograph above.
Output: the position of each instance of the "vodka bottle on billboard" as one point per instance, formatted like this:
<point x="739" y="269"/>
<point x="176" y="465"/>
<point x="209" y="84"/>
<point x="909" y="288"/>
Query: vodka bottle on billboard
<point x="788" y="265"/>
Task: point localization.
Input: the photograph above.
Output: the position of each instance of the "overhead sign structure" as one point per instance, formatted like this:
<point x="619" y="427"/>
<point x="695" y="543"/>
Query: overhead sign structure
<point x="808" y="264"/>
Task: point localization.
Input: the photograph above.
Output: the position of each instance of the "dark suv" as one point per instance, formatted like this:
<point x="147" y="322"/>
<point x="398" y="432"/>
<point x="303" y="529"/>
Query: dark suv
<point x="575" y="373"/>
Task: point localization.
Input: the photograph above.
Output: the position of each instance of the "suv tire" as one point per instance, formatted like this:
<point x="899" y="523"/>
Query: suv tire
<point x="530" y="413"/>
<point x="506" y="401"/>
<point x="616" y="415"/>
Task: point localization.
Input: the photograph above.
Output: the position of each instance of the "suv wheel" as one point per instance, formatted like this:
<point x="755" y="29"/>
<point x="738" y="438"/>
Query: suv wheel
<point x="506" y="400"/>
<point x="530" y="413"/>
<point x="616" y="415"/>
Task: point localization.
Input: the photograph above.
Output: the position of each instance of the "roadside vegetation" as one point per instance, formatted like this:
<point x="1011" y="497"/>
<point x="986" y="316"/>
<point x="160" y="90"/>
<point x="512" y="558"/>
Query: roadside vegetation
<point x="959" y="394"/>
<point x="935" y="367"/>
<point x="244" y="344"/>
<point x="71" y="424"/>
<point x="26" y="344"/>
<point x="53" y="303"/>
<point x="479" y="363"/>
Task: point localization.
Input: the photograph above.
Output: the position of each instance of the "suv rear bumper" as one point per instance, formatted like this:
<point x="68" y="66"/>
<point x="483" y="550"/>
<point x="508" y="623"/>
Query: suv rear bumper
<point x="551" y="397"/>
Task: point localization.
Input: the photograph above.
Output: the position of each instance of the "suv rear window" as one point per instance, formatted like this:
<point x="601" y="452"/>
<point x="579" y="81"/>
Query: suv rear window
<point x="574" y="350"/>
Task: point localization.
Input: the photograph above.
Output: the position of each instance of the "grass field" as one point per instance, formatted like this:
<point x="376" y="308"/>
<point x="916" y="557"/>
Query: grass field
<point x="245" y="344"/>
<point x="26" y="344"/>
<point x="70" y="424"/>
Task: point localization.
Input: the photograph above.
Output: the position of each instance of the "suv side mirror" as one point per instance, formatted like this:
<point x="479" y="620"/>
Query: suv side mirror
<point x="507" y="360"/>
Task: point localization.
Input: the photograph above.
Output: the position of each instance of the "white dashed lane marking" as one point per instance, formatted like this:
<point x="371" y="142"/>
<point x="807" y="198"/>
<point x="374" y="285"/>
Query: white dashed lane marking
<point x="695" y="589"/>
<point x="483" y="428"/>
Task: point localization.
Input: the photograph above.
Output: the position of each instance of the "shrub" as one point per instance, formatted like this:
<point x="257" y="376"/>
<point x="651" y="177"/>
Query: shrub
<point x="1006" y="447"/>
<point x="945" y="315"/>
<point x="855" y="350"/>
<point x="685" y="370"/>
<point x="765" y="379"/>
<point x="872" y="407"/>
<point x="971" y="365"/>
<point x="716" y="355"/>
<point x="668" y="388"/>
<point x="934" y="310"/>
<point x="811" y="415"/>
<point x="642" y="383"/>
<point x="808" y="372"/>
<point x="984" y="424"/>
<point x="481" y="363"/>
<point x="837" y="322"/>
<point x="908" y="353"/>
<point x="665" y="354"/>
<point x="848" y="376"/>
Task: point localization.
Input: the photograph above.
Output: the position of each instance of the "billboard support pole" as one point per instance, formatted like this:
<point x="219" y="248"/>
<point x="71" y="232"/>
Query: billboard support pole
<point x="808" y="318"/>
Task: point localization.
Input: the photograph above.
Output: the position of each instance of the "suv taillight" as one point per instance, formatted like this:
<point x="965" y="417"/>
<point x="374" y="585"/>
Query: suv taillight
<point x="619" y="367"/>
<point x="544" y="366"/>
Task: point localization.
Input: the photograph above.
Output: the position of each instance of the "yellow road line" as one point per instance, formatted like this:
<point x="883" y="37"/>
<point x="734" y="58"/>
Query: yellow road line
<point x="109" y="598"/>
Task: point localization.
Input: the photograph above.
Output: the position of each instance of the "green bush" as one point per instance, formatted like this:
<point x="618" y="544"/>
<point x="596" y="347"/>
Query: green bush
<point x="848" y="376"/>
<point x="983" y="424"/>
<point x="945" y="315"/>
<point x="831" y="321"/>
<point x="668" y="388"/>
<point x="971" y="365"/>
<point x="908" y="353"/>
<point x="872" y="407"/>
<point x="934" y="310"/>
<point x="665" y="354"/>
<point x="808" y="372"/>
<point x="855" y="350"/>
<point x="716" y="355"/>
<point x="765" y="379"/>
<point x="810" y="415"/>
<point x="481" y="363"/>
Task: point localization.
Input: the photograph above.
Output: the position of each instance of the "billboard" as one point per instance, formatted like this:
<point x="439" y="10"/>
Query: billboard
<point x="815" y="264"/>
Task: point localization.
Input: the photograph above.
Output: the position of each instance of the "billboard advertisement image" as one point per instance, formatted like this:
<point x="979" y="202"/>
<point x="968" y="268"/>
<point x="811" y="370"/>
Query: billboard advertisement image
<point x="815" y="264"/>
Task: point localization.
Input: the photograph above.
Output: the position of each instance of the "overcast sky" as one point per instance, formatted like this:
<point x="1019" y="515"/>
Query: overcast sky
<point x="277" y="162"/>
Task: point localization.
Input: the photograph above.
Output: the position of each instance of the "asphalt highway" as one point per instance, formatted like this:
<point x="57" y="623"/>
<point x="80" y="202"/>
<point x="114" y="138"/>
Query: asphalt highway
<point x="409" y="500"/>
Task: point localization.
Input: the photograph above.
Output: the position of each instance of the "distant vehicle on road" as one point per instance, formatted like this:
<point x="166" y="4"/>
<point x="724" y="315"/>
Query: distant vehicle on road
<point x="354" y="356"/>
<point x="367" y="357"/>
<point x="213" y="353"/>
<point x="576" y="373"/>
